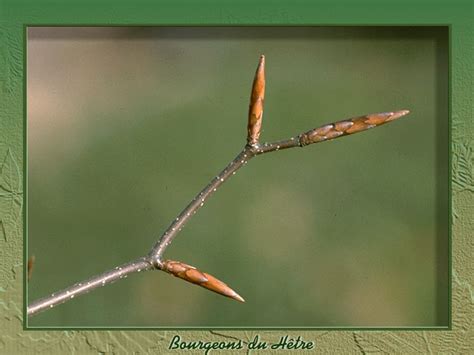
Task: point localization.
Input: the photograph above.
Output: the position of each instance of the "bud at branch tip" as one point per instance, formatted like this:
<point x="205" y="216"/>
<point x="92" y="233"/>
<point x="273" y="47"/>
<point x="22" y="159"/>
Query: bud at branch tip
<point x="191" y="274"/>
<point x="349" y="126"/>
<point x="257" y="97"/>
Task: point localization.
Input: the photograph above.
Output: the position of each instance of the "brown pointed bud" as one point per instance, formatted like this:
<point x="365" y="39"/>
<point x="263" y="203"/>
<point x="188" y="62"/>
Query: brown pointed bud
<point x="191" y="274"/>
<point x="349" y="126"/>
<point x="31" y="262"/>
<point x="257" y="97"/>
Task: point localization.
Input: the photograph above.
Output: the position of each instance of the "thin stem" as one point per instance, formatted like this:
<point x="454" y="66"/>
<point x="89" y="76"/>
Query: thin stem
<point x="190" y="210"/>
<point x="88" y="285"/>
<point x="280" y="145"/>
<point x="154" y="259"/>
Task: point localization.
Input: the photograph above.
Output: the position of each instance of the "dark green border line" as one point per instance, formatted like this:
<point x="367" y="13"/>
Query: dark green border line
<point x="25" y="179"/>
<point x="450" y="177"/>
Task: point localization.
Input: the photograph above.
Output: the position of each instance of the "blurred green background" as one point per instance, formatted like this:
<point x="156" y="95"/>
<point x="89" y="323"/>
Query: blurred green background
<point x="126" y="125"/>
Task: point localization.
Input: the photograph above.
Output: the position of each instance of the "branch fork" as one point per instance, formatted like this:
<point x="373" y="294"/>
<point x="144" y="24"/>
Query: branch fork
<point x="154" y="259"/>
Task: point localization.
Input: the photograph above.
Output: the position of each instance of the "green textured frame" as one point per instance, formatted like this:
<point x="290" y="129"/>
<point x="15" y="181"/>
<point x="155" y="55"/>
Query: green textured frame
<point x="15" y="16"/>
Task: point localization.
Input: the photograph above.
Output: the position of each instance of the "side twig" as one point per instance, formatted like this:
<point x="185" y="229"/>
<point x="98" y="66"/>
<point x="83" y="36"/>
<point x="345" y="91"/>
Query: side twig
<point x="154" y="259"/>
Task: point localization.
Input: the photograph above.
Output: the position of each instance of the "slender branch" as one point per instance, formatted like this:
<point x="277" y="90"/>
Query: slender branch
<point x="88" y="285"/>
<point x="153" y="260"/>
<point x="172" y="231"/>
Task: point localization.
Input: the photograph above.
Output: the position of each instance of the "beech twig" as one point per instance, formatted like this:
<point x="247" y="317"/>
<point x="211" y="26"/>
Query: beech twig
<point x="153" y="260"/>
